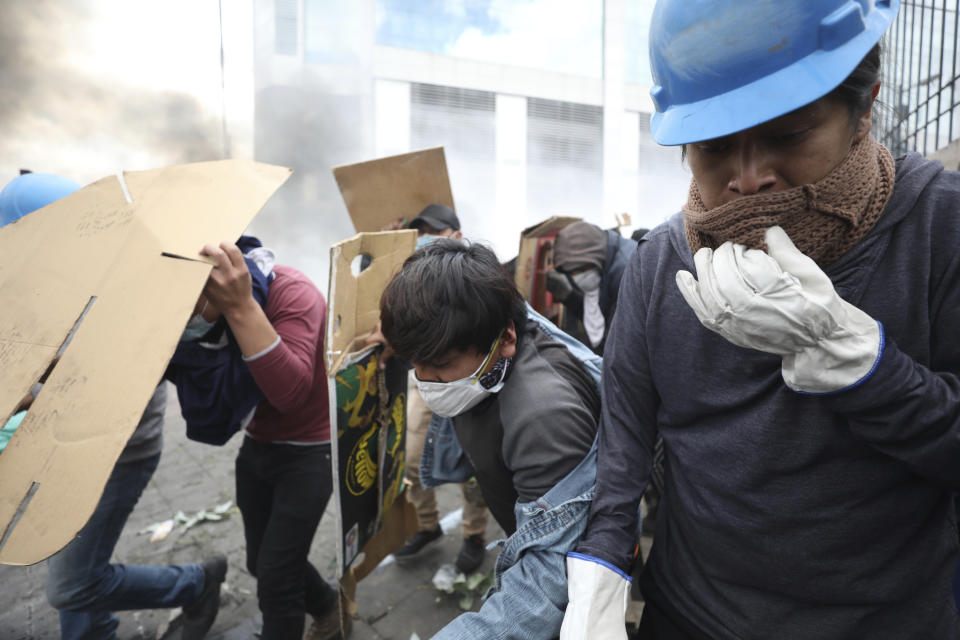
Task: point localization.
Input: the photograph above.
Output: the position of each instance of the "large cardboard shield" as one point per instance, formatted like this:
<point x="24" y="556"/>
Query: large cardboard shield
<point x="382" y="191"/>
<point x="117" y="266"/>
<point x="367" y="408"/>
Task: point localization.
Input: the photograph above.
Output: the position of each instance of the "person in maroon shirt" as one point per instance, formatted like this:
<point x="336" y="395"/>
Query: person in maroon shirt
<point x="283" y="470"/>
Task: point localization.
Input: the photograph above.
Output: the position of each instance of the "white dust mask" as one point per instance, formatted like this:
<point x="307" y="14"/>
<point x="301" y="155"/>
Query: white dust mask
<point x="588" y="280"/>
<point x="449" y="399"/>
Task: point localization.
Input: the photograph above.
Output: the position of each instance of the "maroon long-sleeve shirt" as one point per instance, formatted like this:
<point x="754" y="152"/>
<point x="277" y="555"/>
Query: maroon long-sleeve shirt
<point x="292" y="374"/>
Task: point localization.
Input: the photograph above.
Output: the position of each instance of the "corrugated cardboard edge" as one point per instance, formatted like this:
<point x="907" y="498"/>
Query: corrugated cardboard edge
<point x="378" y="192"/>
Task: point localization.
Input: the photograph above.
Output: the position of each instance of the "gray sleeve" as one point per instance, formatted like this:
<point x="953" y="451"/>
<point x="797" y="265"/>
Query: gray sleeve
<point x="550" y="427"/>
<point x="147" y="438"/>
<point x="908" y="412"/>
<point x="909" y="408"/>
<point x="627" y="430"/>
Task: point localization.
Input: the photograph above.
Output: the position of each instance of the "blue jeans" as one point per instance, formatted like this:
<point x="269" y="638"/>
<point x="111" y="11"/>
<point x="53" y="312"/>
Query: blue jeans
<point x="84" y="587"/>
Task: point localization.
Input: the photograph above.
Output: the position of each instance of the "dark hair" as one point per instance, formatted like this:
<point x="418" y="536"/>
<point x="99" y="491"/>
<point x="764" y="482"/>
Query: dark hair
<point x="449" y="296"/>
<point x="856" y="91"/>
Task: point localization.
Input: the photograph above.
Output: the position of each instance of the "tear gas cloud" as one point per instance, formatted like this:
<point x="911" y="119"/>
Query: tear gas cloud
<point x="87" y="89"/>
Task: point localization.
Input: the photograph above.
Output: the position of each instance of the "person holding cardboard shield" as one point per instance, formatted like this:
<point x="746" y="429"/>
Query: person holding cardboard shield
<point x="82" y="584"/>
<point x="588" y="265"/>
<point x="283" y="469"/>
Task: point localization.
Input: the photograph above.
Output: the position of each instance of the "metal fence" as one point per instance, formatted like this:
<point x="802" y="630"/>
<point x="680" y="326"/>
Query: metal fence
<point x="920" y="95"/>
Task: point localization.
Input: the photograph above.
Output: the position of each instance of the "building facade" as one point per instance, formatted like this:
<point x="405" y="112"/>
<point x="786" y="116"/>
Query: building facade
<point x="541" y="106"/>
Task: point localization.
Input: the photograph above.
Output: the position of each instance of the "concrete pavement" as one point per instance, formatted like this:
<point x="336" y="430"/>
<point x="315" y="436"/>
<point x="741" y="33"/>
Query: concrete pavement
<point x="394" y="602"/>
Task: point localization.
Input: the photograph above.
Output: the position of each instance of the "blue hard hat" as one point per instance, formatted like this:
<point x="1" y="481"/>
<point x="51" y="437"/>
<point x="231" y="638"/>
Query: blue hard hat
<point x="30" y="192"/>
<point x="722" y="66"/>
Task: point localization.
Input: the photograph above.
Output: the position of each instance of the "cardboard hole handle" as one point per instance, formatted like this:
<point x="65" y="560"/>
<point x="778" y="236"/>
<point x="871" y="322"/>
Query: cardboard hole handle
<point x="360" y="262"/>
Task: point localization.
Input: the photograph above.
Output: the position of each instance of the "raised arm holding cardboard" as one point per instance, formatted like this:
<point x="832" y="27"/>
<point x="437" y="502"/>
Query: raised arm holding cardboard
<point x="283" y="472"/>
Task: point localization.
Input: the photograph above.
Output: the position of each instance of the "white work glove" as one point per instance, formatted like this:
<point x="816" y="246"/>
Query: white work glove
<point x="783" y="303"/>
<point x="598" y="595"/>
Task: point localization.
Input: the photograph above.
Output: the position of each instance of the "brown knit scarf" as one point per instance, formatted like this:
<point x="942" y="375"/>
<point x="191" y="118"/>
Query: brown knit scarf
<point x="824" y="219"/>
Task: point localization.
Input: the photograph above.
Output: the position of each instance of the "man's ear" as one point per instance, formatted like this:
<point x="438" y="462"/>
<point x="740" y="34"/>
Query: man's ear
<point x="865" y="121"/>
<point x="508" y="343"/>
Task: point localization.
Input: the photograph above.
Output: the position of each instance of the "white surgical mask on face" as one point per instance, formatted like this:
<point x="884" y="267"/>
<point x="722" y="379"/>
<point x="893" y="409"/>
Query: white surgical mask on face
<point x="197" y="326"/>
<point x="587" y="280"/>
<point x="449" y="399"/>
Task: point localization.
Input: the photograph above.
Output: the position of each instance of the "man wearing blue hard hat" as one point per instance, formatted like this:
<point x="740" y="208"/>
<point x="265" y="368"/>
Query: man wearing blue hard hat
<point x="792" y="337"/>
<point x="82" y="584"/>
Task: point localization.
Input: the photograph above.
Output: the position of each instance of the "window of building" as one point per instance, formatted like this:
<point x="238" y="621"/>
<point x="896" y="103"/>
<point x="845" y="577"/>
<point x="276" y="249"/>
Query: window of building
<point x="286" y="27"/>
<point x="564" y="158"/>
<point x="463" y="122"/>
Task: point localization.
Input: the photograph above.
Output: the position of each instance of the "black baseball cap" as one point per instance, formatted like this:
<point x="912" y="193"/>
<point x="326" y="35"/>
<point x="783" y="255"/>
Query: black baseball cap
<point x="438" y="216"/>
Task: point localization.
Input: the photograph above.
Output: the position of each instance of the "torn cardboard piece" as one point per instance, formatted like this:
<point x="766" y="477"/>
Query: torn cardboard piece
<point x="94" y="252"/>
<point x="534" y="259"/>
<point x="367" y="408"/>
<point x="379" y="192"/>
<point x="354" y="300"/>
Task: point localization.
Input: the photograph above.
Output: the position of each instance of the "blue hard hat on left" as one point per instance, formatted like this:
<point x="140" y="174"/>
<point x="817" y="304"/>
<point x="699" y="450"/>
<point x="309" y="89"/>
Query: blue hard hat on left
<point x="30" y="192"/>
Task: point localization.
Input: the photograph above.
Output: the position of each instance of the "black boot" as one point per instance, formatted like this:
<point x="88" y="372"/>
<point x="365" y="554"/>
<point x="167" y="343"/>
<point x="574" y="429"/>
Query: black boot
<point x="198" y="616"/>
<point x="417" y="542"/>
<point x="471" y="554"/>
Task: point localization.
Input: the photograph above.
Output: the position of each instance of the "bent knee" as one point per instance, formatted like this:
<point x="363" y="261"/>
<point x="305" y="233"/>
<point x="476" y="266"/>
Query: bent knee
<point x="61" y="595"/>
<point x="74" y="592"/>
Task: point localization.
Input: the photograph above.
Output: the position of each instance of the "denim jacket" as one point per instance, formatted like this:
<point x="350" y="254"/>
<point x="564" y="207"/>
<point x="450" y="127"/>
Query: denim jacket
<point x="529" y="595"/>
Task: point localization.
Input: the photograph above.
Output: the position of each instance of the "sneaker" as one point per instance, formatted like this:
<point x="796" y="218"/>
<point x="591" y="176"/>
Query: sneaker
<point x="335" y="624"/>
<point x="417" y="542"/>
<point x="199" y="615"/>
<point x="471" y="554"/>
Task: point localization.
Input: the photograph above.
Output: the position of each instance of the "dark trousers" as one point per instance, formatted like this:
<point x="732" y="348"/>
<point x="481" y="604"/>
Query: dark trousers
<point x="656" y="625"/>
<point x="956" y="576"/>
<point x="282" y="491"/>
<point x="660" y="620"/>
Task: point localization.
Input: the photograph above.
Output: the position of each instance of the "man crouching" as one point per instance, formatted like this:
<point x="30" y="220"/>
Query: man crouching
<point x="516" y="404"/>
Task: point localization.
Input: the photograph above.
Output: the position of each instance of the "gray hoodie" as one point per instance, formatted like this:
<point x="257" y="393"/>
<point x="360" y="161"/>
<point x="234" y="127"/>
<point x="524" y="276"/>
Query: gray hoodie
<point x="783" y="515"/>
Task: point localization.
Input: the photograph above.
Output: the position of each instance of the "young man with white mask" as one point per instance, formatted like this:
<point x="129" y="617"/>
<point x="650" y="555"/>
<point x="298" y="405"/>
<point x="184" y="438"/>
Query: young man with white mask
<point x="434" y="222"/>
<point x="522" y="400"/>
